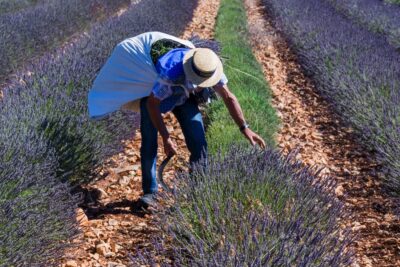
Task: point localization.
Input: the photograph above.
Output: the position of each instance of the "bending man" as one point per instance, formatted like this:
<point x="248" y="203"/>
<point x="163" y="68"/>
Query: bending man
<point x="156" y="73"/>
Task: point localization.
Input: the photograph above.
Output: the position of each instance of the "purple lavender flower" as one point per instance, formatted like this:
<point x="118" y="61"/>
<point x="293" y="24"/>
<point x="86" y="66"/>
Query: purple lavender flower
<point x="377" y="16"/>
<point x="30" y="32"/>
<point x="356" y="70"/>
<point x="7" y="6"/>
<point x="252" y="209"/>
<point x="48" y="143"/>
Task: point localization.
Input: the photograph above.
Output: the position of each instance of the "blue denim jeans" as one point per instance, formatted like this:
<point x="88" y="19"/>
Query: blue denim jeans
<point x="191" y="122"/>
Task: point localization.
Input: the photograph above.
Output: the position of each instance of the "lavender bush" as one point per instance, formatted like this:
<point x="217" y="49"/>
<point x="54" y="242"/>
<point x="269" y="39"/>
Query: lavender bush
<point x="14" y="5"/>
<point x="36" y="210"/>
<point x="377" y="16"/>
<point x="46" y="137"/>
<point x="55" y="95"/>
<point x="252" y="209"/>
<point x="358" y="71"/>
<point x="397" y="2"/>
<point x="29" y="32"/>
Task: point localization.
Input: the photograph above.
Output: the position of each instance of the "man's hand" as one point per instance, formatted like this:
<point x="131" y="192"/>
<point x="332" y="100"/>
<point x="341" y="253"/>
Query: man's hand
<point x="169" y="147"/>
<point x="254" y="138"/>
<point x="235" y="110"/>
<point x="153" y="106"/>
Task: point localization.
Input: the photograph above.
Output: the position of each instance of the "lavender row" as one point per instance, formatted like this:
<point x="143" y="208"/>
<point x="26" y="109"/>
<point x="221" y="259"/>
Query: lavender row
<point x="30" y="32"/>
<point x="36" y="210"/>
<point x="14" y="5"/>
<point x="377" y="16"/>
<point x="396" y="2"/>
<point x="46" y="106"/>
<point x="358" y="71"/>
<point x="252" y="209"/>
<point x="57" y="85"/>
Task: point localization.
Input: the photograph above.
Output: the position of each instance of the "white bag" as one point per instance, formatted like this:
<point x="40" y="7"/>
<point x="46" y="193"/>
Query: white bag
<point x="128" y="75"/>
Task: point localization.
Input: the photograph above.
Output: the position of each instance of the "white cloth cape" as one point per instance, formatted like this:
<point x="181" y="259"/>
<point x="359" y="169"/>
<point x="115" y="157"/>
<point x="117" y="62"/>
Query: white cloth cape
<point x="128" y="75"/>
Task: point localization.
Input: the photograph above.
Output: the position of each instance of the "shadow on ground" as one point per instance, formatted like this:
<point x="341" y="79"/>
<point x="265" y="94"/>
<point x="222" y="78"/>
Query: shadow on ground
<point x="94" y="209"/>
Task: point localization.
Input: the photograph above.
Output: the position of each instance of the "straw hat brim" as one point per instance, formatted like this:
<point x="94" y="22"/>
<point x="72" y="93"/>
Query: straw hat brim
<point x="195" y="78"/>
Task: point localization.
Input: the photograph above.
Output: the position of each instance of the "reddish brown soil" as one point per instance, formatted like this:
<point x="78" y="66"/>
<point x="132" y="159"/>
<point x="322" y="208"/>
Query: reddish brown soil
<point x="310" y="126"/>
<point x="115" y="226"/>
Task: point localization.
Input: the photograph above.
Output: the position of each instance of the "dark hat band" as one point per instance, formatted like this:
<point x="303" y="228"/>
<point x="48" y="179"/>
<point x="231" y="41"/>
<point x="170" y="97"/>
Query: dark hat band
<point x="204" y="74"/>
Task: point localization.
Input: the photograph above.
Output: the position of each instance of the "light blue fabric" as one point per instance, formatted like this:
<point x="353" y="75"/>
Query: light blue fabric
<point x="129" y="74"/>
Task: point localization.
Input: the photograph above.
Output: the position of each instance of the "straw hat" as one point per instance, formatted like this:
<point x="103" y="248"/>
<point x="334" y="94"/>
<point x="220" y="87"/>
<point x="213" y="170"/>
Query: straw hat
<point x="202" y="67"/>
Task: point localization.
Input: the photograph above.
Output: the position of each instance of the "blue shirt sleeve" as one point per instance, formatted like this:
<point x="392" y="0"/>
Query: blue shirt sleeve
<point x="161" y="91"/>
<point x="223" y="80"/>
<point x="170" y="66"/>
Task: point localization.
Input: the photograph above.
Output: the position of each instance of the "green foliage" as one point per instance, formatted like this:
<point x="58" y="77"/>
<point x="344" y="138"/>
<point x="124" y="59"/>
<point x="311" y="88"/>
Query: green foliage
<point x="246" y="81"/>
<point x="163" y="46"/>
<point x="249" y="208"/>
<point x="397" y="2"/>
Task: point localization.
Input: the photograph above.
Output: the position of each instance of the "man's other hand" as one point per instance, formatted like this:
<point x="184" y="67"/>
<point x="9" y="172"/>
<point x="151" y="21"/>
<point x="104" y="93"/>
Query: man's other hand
<point x="169" y="147"/>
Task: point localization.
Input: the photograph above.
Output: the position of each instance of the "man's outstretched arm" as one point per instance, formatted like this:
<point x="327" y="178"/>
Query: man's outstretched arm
<point x="236" y="113"/>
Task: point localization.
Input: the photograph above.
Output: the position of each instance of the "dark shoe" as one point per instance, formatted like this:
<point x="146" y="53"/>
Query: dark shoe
<point x="149" y="200"/>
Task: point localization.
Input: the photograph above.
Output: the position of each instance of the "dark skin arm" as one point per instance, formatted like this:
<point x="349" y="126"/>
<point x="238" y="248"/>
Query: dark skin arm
<point x="231" y="102"/>
<point x="153" y="106"/>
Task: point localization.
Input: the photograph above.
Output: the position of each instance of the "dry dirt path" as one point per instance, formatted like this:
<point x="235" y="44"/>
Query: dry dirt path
<point x="310" y="125"/>
<point x="112" y="226"/>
